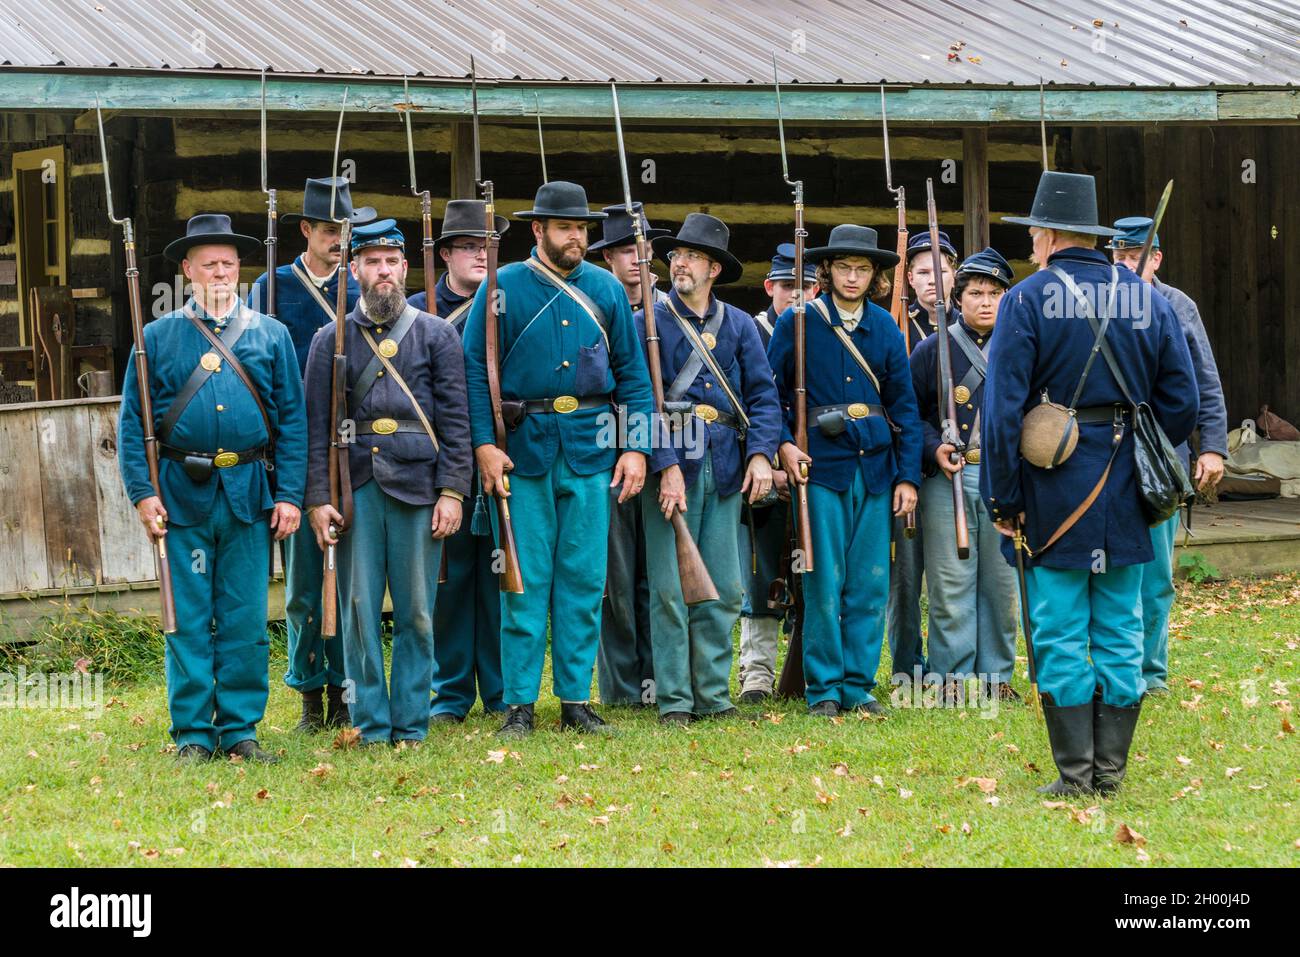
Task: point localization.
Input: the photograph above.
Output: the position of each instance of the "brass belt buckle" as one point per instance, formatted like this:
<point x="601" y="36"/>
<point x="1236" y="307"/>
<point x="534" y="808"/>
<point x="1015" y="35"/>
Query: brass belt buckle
<point x="706" y="412"/>
<point x="973" y="456"/>
<point x="384" y="426"/>
<point x="858" y="410"/>
<point x="564" y="404"/>
<point x="224" y="460"/>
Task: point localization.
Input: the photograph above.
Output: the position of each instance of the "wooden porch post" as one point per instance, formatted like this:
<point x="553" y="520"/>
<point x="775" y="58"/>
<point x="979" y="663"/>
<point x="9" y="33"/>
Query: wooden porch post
<point x="975" y="187"/>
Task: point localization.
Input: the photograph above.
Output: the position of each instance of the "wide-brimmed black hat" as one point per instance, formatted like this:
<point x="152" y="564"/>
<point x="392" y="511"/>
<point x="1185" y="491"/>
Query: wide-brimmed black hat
<point x="316" y="203"/>
<point x="210" y="229"/>
<point x="849" y="240"/>
<point x="464" y="217"/>
<point x="617" y="230"/>
<point x="560" y="200"/>
<point x="1066" y="201"/>
<point x="709" y="235"/>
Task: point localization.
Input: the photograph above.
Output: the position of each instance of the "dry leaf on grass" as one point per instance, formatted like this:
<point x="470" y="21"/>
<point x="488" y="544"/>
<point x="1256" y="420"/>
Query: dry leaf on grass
<point x="347" y="738"/>
<point x="1126" y="835"/>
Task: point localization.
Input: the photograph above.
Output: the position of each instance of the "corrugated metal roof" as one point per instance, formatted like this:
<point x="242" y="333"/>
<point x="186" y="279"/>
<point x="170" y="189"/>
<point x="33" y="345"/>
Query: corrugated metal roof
<point x="1187" y="43"/>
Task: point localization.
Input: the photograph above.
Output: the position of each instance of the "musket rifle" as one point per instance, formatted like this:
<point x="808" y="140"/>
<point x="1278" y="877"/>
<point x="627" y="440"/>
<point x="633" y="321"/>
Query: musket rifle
<point x="512" y="579"/>
<point x="340" y="470"/>
<point x="1042" y="123"/>
<point x="271" y="216"/>
<point x="898" y="300"/>
<point x="541" y="142"/>
<point x="697" y="584"/>
<point x="1020" y="548"/>
<point x="804" y="530"/>
<point x="166" y="597"/>
<point x="1155" y="224"/>
<point x="947" y="401"/>
<point x="430" y="262"/>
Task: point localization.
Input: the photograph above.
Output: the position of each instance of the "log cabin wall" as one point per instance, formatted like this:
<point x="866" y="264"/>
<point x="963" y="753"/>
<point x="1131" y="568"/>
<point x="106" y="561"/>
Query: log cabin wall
<point x="1230" y="238"/>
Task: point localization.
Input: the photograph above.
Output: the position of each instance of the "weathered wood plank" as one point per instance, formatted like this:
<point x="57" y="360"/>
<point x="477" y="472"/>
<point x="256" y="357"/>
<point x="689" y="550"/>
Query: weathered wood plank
<point x="659" y="102"/>
<point x="68" y="495"/>
<point x="23" y="563"/>
<point x="975" y="188"/>
<point x="126" y="555"/>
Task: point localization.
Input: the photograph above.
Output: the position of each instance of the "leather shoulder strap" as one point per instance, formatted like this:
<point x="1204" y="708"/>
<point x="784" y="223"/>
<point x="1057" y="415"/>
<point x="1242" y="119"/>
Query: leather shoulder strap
<point x="847" y="342"/>
<point x="397" y="377"/>
<point x="229" y="357"/>
<point x="1073" y="517"/>
<point x="370" y="372"/>
<point x="196" y="380"/>
<point x="301" y="275"/>
<point x="704" y="355"/>
<point x="588" y="305"/>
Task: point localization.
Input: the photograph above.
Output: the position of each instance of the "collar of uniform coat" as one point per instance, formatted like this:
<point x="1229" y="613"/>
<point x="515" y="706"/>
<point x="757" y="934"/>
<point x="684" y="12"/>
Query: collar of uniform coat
<point x="1080" y="254"/>
<point x="686" y="310"/>
<point x="444" y="291"/>
<point x="838" y="320"/>
<point x="319" y="281"/>
<point x="196" y="307"/>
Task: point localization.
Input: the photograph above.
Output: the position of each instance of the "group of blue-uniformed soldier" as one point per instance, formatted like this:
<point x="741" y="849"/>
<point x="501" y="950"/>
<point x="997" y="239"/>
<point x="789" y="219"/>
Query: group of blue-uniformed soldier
<point x="242" y="408"/>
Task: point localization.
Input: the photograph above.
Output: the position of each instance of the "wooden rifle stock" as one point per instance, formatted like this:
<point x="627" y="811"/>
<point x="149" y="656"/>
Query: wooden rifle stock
<point x="1020" y="549"/>
<point x="340" y="471"/>
<point x="512" y="579"/>
<point x="165" y="593"/>
<point x="697" y="583"/>
<point x="431" y="307"/>
<point x="166" y="596"/>
<point x="898" y="309"/>
<point x="948" y="403"/>
<point x="801" y="388"/>
<point x="787" y="593"/>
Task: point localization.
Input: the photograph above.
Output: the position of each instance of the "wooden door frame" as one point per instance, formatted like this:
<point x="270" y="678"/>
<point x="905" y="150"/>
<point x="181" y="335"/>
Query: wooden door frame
<point x="30" y="161"/>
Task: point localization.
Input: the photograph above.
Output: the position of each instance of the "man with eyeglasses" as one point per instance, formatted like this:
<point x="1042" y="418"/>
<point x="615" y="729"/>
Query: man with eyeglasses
<point x="719" y="386"/>
<point x="467" y="610"/>
<point x="863" y="460"/>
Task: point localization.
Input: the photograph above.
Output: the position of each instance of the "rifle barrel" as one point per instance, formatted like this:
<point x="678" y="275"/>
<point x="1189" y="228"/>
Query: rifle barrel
<point x="947" y="401"/>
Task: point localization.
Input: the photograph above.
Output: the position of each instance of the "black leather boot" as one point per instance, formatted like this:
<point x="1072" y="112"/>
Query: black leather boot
<point x="580" y="717"/>
<point x="1112" y="734"/>
<point x="249" y="750"/>
<point x="1070" y="732"/>
<point x="339" y="716"/>
<point x="313" y="712"/>
<point x="519" y="722"/>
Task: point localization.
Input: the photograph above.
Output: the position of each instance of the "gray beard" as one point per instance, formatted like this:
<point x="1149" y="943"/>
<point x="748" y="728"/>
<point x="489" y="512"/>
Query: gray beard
<point x="384" y="307"/>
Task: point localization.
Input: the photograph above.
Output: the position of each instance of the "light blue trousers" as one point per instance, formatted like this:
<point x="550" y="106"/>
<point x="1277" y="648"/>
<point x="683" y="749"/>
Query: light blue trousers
<point x="390" y="545"/>
<point x="1087" y="634"/>
<point x="1157" y="600"/>
<point x="846" y="594"/>
<point x="972" y="602"/>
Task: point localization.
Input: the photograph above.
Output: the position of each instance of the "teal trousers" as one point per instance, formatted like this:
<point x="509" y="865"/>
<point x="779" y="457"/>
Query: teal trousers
<point x="692" y="646"/>
<point x="467" y="626"/>
<point x="973" y="600"/>
<point x="217" y="661"/>
<point x="846" y="594"/>
<point x="389" y="546"/>
<point x="1157" y="600"/>
<point x="561" y="522"/>
<point x="1087" y="634"/>
<point x="314" y="660"/>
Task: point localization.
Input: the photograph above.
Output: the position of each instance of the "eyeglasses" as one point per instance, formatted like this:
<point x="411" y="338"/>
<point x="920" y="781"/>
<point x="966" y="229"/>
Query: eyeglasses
<point x="688" y="256"/>
<point x="477" y="249"/>
<point x="844" y="269"/>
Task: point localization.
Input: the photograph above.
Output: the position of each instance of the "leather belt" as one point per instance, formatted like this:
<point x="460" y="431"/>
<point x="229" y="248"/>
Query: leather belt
<point x="221" y="458"/>
<point x="854" y="410"/>
<point x="387" y="426"/>
<point x="565" y="404"/>
<point x="709" y="413"/>
<point x="1100" y="413"/>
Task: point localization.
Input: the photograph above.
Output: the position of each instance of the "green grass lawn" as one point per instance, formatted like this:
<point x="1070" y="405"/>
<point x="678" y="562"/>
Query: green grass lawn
<point x="1214" y="780"/>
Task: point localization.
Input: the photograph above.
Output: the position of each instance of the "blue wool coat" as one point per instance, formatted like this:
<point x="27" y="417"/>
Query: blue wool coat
<point x="1039" y="347"/>
<point x="297" y="309"/>
<point x="833" y="377"/>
